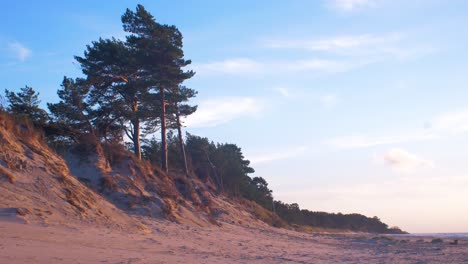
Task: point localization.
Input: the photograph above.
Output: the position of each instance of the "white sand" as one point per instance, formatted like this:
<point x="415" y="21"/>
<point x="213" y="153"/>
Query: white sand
<point x="176" y="243"/>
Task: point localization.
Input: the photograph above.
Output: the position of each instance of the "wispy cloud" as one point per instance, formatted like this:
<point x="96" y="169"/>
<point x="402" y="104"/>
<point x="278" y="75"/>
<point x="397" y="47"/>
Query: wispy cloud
<point x="245" y="66"/>
<point x="355" y="142"/>
<point x="217" y="111"/>
<point x="336" y="43"/>
<point x="19" y="51"/>
<point x="351" y="5"/>
<point x="284" y="91"/>
<point x="454" y="122"/>
<point x="334" y="54"/>
<point x="233" y="66"/>
<point x="395" y="45"/>
<point x="320" y="65"/>
<point x="404" y="162"/>
<point x="440" y="126"/>
<point x="279" y="155"/>
<point x="329" y="100"/>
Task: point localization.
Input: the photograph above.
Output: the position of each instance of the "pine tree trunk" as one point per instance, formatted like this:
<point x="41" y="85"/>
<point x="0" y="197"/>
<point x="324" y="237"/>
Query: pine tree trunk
<point x="136" y="131"/>
<point x="181" y="140"/>
<point x="136" y="138"/>
<point x="164" y="162"/>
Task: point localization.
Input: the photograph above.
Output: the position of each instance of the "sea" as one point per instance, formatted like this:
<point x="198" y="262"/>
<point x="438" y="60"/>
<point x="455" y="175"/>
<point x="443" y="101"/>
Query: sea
<point x="439" y="235"/>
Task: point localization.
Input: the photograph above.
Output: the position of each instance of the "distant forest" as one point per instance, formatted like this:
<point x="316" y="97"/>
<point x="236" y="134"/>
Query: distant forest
<point x="132" y="89"/>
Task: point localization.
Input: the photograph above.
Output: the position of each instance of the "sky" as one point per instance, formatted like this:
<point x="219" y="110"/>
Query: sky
<point x="352" y="106"/>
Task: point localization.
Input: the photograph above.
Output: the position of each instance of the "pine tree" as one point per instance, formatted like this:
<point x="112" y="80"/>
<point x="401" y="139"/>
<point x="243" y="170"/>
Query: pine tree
<point x="26" y="104"/>
<point x="117" y="90"/>
<point x="72" y="111"/>
<point x="178" y="109"/>
<point x="161" y="58"/>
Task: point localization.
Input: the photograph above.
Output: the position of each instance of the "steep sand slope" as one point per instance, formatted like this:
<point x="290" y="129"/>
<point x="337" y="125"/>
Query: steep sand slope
<point x="36" y="186"/>
<point x="39" y="186"/>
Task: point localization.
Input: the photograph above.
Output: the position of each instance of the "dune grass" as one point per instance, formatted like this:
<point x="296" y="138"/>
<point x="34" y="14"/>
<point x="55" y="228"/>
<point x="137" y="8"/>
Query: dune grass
<point x="6" y="173"/>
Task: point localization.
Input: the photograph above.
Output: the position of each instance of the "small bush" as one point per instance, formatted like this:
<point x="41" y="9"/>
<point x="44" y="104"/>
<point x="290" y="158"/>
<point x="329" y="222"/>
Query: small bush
<point x="20" y="126"/>
<point x="115" y="153"/>
<point x="87" y="145"/>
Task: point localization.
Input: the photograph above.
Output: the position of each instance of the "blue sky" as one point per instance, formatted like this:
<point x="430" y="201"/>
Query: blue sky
<point x="342" y="105"/>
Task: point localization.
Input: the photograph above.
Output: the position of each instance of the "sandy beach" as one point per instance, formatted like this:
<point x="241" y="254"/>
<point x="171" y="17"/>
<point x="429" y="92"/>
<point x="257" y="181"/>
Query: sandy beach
<point x="177" y="243"/>
<point x="251" y="132"/>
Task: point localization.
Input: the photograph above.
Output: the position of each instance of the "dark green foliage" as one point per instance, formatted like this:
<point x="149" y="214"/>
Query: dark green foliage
<point x="356" y="222"/>
<point x="128" y="79"/>
<point x="259" y="192"/>
<point x="226" y="166"/>
<point x="177" y="99"/>
<point x="26" y="104"/>
<point x="151" y="150"/>
<point x="160" y="58"/>
<point x="116" y="89"/>
<point x="159" y="49"/>
<point x="232" y="168"/>
<point x="71" y="116"/>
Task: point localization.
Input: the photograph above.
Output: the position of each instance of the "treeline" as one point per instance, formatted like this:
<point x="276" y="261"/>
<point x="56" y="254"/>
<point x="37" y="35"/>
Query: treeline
<point x="225" y="165"/>
<point x="222" y="164"/>
<point x="356" y="222"/>
<point x="133" y="89"/>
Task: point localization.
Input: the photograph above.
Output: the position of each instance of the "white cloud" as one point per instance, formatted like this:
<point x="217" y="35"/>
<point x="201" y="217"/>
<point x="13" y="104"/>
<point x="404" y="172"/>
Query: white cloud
<point x="320" y="65"/>
<point x="404" y="162"/>
<point x="337" y="43"/>
<point x="453" y="122"/>
<point x="355" y="142"/>
<point x="329" y="100"/>
<point x="372" y="47"/>
<point x="354" y="50"/>
<point x="231" y="66"/>
<point x="244" y="66"/>
<point x="19" y="51"/>
<point x="352" y="5"/>
<point x="281" y="155"/>
<point x="217" y="111"/>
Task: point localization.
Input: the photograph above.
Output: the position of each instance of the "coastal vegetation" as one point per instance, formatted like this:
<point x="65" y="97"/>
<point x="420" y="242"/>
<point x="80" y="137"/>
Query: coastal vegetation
<point x="132" y="90"/>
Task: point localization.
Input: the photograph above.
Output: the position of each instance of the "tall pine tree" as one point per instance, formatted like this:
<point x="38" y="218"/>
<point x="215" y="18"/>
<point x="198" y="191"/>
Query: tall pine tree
<point x="161" y="59"/>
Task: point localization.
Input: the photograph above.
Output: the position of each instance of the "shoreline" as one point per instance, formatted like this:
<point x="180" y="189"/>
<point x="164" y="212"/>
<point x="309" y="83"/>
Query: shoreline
<point x="179" y="243"/>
